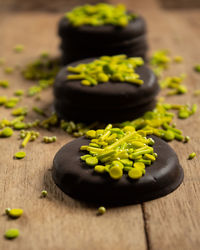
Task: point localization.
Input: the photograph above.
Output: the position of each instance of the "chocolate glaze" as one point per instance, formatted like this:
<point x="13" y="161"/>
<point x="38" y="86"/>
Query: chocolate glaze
<point x="79" y="181"/>
<point x="105" y="33"/>
<point x="135" y="41"/>
<point x="89" y="41"/>
<point x="78" y="54"/>
<point x="113" y="99"/>
<point x="73" y="52"/>
<point x="106" y="115"/>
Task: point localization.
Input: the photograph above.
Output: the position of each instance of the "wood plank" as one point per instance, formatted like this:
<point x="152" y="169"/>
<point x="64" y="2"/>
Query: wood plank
<point x="56" y="222"/>
<point x="173" y="222"/>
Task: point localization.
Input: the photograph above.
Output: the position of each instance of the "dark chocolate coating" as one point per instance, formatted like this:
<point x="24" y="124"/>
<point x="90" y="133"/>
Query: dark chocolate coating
<point x="79" y="181"/>
<point x="105" y="33"/>
<point x="89" y="41"/>
<point x="116" y="100"/>
<point x="106" y="115"/>
<point x="76" y="54"/>
<point x="73" y="52"/>
<point x="136" y="41"/>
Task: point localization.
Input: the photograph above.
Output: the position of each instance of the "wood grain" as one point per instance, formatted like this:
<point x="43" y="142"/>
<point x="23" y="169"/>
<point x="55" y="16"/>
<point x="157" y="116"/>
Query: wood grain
<point x="59" y="222"/>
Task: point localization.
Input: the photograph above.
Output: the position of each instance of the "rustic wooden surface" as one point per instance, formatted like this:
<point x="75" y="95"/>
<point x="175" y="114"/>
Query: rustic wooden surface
<point x="59" y="222"/>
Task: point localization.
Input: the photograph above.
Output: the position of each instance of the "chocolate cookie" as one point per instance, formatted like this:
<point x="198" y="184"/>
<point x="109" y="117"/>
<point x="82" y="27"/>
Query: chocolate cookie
<point x="79" y="181"/>
<point x="115" y="101"/>
<point x="89" y="41"/>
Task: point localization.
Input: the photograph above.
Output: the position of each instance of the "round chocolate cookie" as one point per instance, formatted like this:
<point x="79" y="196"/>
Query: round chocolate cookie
<point x="133" y="50"/>
<point x="106" y="33"/>
<point x="79" y="181"/>
<point x="107" y="102"/>
<point x="89" y="41"/>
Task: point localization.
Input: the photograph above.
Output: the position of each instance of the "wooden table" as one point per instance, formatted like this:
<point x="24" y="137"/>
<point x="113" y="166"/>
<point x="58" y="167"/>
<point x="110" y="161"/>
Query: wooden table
<point x="59" y="222"/>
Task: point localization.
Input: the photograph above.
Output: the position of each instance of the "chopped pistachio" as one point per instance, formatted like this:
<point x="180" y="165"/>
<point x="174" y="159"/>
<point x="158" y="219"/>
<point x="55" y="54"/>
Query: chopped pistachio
<point x="18" y="48"/>
<point x="124" y="152"/>
<point x="4" y="83"/>
<point x="34" y="90"/>
<point x="49" y="139"/>
<point x="2" y="61"/>
<point x="187" y="138"/>
<point x="11" y="102"/>
<point x="99" y="14"/>
<point x="174" y="83"/>
<point x="12" y="233"/>
<point x="19" y="111"/>
<point x="28" y="136"/>
<point x="135" y="173"/>
<point x="44" y="54"/>
<point x="197" y="68"/>
<point x="160" y="61"/>
<point x="107" y="68"/>
<point x="101" y="210"/>
<point x="8" y="70"/>
<point x="178" y="59"/>
<point x="20" y="155"/>
<point x="19" y="92"/>
<point x="191" y="156"/>
<point x="41" y="69"/>
<point x="44" y="193"/>
<point x="15" y="212"/>
<point x="197" y="92"/>
<point x="6" y="132"/>
<point x="3" y="100"/>
<point x="39" y="111"/>
<point x="50" y="121"/>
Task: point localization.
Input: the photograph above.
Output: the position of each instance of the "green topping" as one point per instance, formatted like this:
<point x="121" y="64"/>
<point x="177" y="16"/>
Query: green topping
<point x="107" y="68"/>
<point x="2" y="61"/>
<point x="12" y="233"/>
<point x="7" y="210"/>
<point x="28" y="136"/>
<point x="44" y="54"/>
<point x="49" y="139"/>
<point x="197" y="68"/>
<point x="3" y="100"/>
<point x="115" y="172"/>
<point x="160" y="61"/>
<point x="91" y="161"/>
<point x="169" y="135"/>
<point x="42" y="84"/>
<point x="118" y="150"/>
<point x="39" y="111"/>
<point x="187" y="138"/>
<point x="18" y="48"/>
<point x="50" y="121"/>
<point x="15" y="212"/>
<point x="11" y="102"/>
<point x="19" y="111"/>
<point x="41" y="69"/>
<point x="44" y="193"/>
<point x="174" y="83"/>
<point x="98" y="168"/>
<point x="135" y="173"/>
<point x="99" y="14"/>
<point x="4" y="83"/>
<point x="20" y="155"/>
<point x="191" y="156"/>
<point x="178" y="59"/>
<point x="101" y="210"/>
<point x="186" y="111"/>
<point x="6" y="132"/>
<point x="19" y="92"/>
<point x="8" y="70"/>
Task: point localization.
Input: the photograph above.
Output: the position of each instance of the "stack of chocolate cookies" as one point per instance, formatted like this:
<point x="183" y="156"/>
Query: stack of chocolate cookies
<point x="105" y="79"/>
